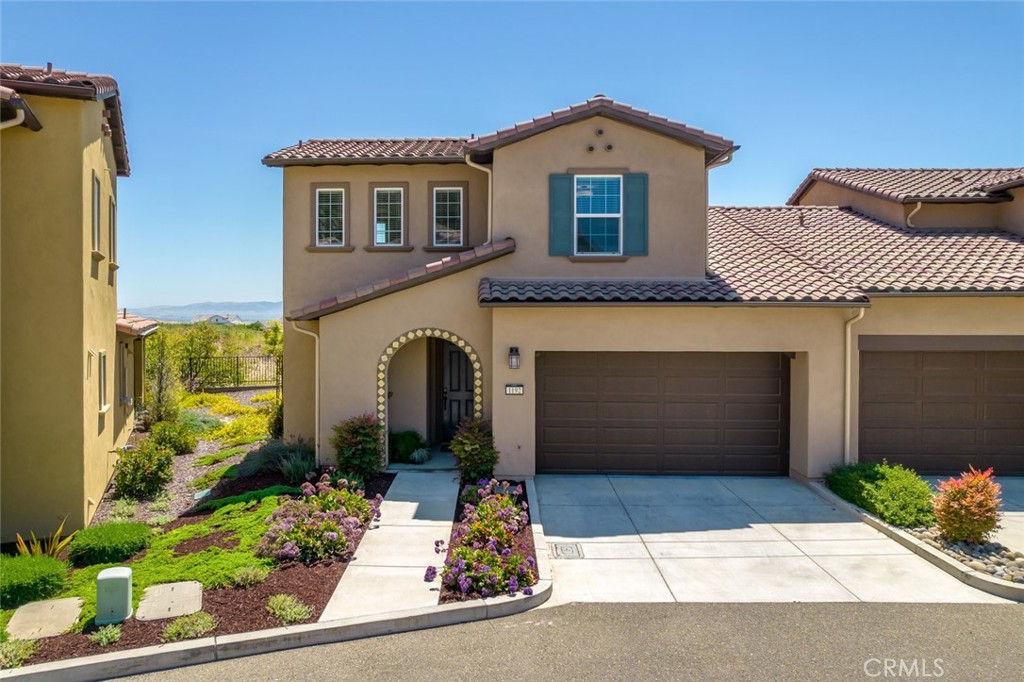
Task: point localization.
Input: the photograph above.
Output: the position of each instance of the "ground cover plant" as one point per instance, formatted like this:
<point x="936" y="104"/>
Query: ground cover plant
<point x="288" y="609"/>
<point x="106" y="635"/>
<point x="109" y="543"/>
<point x="967" y="508"/>
<point x="217" y="457"/>
<point x="14" y="653"/>
<point x="894" y="493"/>
<point x="189" y="627"/>
<point x="30" y="578"/>
<point x="486" y="554"/>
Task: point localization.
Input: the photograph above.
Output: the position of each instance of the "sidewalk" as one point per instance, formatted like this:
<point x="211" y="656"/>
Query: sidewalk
<point x="386" y="573"/>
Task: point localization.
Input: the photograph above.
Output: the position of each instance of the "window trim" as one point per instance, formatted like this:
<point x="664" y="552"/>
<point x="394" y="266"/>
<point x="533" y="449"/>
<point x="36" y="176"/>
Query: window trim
<point x="402" y="187"/>
<point x="124" y="356"/>
<point x="97" y="233"/>
<point x="112" y="230"/>
<point x="576" y="216"/>
<point x="432" y="189"/>
<point x="101" y="376"/>
<point x="346" y="213"/>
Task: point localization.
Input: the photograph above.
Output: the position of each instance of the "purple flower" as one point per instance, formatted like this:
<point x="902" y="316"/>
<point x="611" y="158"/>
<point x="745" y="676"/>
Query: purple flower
<point x="528" y="591"/>
<point x="464" y="584"/>
<point x="530" y="562"/>
<point x="513" y="586"/>
<point x="430" y="575"/>
<point x="485" y="592"/>
<point x="506" y="553"/>
<point x="331" y="537"/>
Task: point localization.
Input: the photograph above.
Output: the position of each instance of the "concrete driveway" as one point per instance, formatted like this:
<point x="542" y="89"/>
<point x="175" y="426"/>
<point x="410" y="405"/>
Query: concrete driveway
<point x="725" y="539"/>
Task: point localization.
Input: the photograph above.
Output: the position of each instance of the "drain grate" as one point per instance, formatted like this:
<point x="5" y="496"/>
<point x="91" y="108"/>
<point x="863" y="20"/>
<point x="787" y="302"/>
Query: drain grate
<point x="566" y="550"/>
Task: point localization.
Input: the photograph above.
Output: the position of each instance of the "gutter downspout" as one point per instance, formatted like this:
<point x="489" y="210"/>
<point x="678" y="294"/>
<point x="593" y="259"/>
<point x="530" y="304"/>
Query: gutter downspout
<point x="490" y="192"/>
<point x="847" y="380"/>
<point x="19" y="118"/>
<point x="316" y="385"/>
<point x="910" y="217"/>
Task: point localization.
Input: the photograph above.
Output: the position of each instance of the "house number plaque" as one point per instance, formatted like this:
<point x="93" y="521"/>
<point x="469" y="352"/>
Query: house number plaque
<point x="513" y="389"/>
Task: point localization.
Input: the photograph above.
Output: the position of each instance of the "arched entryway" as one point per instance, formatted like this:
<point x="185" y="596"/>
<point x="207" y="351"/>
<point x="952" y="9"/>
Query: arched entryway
<point x="448" y="370"/>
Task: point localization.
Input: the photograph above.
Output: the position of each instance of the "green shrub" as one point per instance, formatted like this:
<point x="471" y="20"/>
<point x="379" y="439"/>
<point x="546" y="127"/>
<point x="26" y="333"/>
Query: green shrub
<point x="198" y="423"/>
<point x="967" y="508"/>
<point x="901" y="497"/>
<point x="142" y="472"/>
<point x="288" y="609"/>
<point x="109" y="543"/>
<point x="189" y="627"/>
<point x="30" y="578"/>
<point x="51" y="546"/>
<point x="473" y="447"/>
<point x="357" y="442"/>
<point x="246" y="498"/>
<point x="848" y="481"/>
<point x="249" y="576"/>
<point x="174" y="436"/>
<point x="106" y="635"/>
<point x="402" y="444"/>
<point x="15" y="652"/>
<point x="276" y="408"/>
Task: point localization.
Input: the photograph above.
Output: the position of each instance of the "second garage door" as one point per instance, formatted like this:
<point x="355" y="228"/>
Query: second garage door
<point x="672" y="413"/>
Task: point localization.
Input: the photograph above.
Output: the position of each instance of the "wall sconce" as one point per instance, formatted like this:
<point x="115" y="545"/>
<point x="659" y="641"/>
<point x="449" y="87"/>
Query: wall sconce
<point x="513" y="357"/>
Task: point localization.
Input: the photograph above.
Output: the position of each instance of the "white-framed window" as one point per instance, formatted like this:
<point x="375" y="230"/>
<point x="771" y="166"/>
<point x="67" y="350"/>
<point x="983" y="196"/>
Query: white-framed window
<point x="448" y="210"/>
<point x="597" y="220"/>
<point x="330" y="217"/>
<point x="112" y="229"/>
<point x="388" y="221"/>
<point x="124" y="362"/>
<point x="95" y="212"/>
<point x="101" y="378"/>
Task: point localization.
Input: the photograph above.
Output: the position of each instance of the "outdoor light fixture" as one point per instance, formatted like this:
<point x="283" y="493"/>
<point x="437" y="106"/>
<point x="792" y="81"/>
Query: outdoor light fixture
<point x="513" y="357"/>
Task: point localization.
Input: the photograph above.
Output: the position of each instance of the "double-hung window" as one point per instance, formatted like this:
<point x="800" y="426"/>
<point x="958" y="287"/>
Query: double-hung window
<point x="101" y="376"/>
<point x="112" y="228"/>
<point x="598" y="215"/>
<point x="448" y="210"/>
<point x="388" y="221"/>
<point x="95" y="213"/>
<point x="330" y="217"/>
<point x="123" y="363"/>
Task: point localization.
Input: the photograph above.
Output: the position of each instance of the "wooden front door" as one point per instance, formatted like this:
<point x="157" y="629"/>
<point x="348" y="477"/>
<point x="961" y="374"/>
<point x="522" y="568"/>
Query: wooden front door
<point x="456" y="389"/>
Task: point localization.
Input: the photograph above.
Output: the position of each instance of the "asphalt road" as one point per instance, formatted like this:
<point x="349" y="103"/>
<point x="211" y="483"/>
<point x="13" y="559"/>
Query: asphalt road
<point x="707" y="642"/>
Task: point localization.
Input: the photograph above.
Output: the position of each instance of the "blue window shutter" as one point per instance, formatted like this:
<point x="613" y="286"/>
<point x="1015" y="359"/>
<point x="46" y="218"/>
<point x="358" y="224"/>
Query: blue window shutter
<point x="560" y="214"/>
<point x="634" y="219"/>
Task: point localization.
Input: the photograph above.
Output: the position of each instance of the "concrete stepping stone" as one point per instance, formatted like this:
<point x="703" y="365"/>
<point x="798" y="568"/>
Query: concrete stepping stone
<point x="44" y="618"/>
<point x="170" y="600"/>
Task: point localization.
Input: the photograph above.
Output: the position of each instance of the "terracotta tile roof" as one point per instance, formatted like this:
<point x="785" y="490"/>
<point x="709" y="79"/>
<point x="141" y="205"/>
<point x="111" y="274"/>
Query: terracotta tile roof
<point x="425" y="273"/>
<point x="881" y="258"/>
<point x="50" y="82"/>
<point x="1004" y="181"/>
<point x="912" y="184"/>
<point x="715" y="145"/>
<point x="340" y="151"/>
<point x="134" y="325"/>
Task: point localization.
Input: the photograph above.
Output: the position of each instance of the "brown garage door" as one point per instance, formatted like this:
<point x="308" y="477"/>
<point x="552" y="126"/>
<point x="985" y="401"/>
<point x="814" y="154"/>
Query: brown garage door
<point x="670" y="413"/>
<point x="937" y="412"/>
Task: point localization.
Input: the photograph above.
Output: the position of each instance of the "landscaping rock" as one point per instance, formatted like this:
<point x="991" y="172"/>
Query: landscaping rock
<point x="976" y="565"/>
<point x="171" y="600"/>
<point x="44" y="618"/>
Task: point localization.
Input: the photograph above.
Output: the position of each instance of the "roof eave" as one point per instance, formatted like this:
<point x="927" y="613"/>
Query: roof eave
<point x="374" y="161"/>
<point x="866" y="303"/>
<point x="995" y="199"/>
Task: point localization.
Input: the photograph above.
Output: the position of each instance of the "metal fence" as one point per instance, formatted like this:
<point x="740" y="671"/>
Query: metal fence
<point x="232" y="371"/>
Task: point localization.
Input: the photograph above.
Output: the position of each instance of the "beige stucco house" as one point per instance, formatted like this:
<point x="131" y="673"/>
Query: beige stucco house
<point x="566" y="279"/>
<point x="68" y="359"/>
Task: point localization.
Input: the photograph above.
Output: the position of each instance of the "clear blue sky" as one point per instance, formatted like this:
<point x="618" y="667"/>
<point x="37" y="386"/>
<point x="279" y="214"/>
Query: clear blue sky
<point x="208" y="89"/>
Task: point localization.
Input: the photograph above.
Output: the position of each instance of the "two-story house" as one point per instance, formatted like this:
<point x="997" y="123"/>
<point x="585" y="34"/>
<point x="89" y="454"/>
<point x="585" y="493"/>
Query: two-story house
<point x="566" y="279"/>
<point x="68" y="360"/>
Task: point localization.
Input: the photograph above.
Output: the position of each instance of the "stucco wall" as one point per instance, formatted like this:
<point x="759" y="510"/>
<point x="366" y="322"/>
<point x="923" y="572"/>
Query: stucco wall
<point x="827" y="194"/>
<point x="1011" y="213"/>
<point x="981" y="216"/>
<point x="677" y="198"/>
<point x="407" y="386"/>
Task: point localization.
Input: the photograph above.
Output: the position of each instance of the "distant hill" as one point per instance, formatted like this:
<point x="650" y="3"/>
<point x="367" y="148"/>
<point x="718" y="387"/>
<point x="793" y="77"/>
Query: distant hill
<point x="253" y="311"/>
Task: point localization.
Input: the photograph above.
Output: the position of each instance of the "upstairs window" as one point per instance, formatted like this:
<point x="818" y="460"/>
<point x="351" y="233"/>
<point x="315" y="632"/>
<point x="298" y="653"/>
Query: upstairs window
<point x="388" y="221"/>
<point x="330" y="217"/>
<point x="598" y="215"/>
<point x="448" y="210"/>
<point x="102" y="379"/>
<point x="112" y="227"/>
<point x="95" y="212"/>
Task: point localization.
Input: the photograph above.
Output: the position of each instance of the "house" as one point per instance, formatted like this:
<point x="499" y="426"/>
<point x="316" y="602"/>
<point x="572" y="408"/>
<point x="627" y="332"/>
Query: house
<point x="217" y="319"/>
<point x="565" y="278"/>
<point x="69" y="361"/>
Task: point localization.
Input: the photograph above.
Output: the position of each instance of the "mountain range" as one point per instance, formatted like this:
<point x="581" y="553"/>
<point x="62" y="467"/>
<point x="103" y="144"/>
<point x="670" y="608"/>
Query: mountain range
<point x="247" y="311"/>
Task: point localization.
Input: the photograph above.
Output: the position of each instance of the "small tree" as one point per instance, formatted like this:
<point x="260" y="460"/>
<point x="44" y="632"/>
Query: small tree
<point x="199" y="341"/>
<point x="273" y="340"/>
<point x="163" y="386"/>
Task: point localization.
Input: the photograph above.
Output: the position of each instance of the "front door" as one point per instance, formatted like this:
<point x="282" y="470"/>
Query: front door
<point x="456" y="389"/>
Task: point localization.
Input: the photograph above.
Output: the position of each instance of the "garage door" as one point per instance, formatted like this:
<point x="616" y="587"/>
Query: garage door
<point x="937" y="412"/>
<point x="671" y="413"/>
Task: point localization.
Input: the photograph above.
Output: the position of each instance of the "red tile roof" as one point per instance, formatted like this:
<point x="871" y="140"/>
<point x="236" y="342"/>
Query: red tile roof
<point x="1004" y="181"/>
<point x="134" y="325"/>
<point x="421" y="150"/>
<point x="908" y="185"/>
<point x="50" y="82"/>
<point x="599" y="105"/>
<point x="425" y="273"/>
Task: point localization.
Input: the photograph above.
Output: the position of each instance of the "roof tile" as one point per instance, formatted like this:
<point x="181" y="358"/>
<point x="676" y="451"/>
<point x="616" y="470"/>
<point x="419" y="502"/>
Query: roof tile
<point x="914" y="184"/>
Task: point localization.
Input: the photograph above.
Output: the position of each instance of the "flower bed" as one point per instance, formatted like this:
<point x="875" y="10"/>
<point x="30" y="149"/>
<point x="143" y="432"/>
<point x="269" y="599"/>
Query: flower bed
<point x="490" y="551"/>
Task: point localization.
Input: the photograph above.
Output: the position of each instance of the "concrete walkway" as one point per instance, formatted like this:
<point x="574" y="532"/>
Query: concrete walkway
<point x="387" y="571"/>
<point x="726" y="539"/>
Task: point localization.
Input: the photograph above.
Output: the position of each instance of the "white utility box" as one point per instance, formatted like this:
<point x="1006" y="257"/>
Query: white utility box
<point x="113" y="595"/>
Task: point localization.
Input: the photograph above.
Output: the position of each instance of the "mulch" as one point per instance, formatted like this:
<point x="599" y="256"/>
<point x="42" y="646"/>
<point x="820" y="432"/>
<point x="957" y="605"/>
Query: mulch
<point x="236" y="609"/>
<point x="522" y="543"/>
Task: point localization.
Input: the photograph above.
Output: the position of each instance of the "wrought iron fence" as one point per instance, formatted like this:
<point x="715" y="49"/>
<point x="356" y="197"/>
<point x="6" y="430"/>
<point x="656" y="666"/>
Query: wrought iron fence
<point x="232" y="371"/>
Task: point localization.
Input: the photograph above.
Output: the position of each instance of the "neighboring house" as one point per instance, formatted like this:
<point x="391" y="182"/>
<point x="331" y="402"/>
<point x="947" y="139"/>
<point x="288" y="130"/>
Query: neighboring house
<point x="217" y="319"/>
<point x="566" y="279"/>
<point x="69" y="361"/>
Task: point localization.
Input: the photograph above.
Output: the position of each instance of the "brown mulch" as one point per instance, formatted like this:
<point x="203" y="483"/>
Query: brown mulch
<point x="222" y="538"/>
<point x="522" y="543"/>
<point x="236" y="609"/>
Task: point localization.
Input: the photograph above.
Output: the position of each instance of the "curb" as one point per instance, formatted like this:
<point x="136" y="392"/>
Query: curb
<point x="225" y="647"/>
<point x="977" y="579"/>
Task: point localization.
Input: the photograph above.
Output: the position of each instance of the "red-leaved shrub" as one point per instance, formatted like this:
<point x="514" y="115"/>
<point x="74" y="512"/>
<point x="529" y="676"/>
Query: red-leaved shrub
<point x="967" y="508"/>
